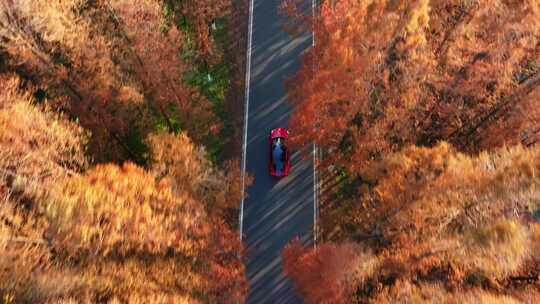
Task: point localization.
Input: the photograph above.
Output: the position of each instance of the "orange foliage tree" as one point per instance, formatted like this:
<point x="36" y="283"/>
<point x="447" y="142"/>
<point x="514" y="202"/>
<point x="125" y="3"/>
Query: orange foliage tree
<point x="118" y="233"/>
<point x="56" y="45"/>
<point x="417" y="104"/>
<point x="434" y="215"/>
<point x="385" y="74"/>
<point x="178" y="162"/>
<point x="39" y="146"/>
<point x="159" y="67"/>
<point x="123" y="212"/>
<point x="111" y="233"/>
<point x="94" y="60"/>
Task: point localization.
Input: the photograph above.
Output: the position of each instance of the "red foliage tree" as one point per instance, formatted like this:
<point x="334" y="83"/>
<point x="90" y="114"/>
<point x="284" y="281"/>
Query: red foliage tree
<point x="329" y="273"/>
<point x="386" y="74"/>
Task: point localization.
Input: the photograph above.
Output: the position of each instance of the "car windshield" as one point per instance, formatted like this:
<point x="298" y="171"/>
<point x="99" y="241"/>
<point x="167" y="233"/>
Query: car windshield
<point x="278" y="154"/>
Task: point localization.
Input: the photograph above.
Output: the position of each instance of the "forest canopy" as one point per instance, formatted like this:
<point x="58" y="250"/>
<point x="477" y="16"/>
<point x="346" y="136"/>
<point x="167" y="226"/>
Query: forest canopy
<point x="114" y="188"/>
<point x="111" y="189"/>
<point x="427" y="116"/>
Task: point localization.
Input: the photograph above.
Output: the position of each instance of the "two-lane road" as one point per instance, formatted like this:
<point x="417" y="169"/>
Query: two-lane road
<point x="275" y="211"/>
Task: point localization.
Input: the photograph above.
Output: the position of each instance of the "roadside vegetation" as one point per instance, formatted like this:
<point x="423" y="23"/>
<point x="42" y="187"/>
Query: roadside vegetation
<point x="112" y="184"/>
<point x="427" y="114"/>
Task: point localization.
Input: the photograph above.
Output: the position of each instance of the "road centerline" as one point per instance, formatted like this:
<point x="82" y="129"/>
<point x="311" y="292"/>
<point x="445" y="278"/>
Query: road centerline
<point x="246" y="114"/>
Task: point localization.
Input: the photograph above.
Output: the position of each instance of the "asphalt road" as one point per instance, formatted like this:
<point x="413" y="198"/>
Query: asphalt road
<point x="276" y="210"/>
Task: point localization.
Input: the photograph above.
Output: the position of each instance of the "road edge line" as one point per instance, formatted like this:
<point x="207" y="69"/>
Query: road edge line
<point x="315" y="149"/>
<point x="246" y="115"/>
<point x="315" y="196"/>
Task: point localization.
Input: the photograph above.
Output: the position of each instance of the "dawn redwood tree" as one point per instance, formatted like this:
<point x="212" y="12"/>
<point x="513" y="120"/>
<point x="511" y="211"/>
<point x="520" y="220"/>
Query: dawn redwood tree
<point x="39" y="145"/>
<point x="114" y="232"/>
<point x="108" y="74"/>
<point x="434" y="216"/>
<point x="166" y="237"/>
<point x="56" y="49"/>
<point x="186" y="168"/>
<point x="385" y="74"/>
<point x="422" y="191"/>
<point x="94" y="61"/>
<point x="422" y="107"/>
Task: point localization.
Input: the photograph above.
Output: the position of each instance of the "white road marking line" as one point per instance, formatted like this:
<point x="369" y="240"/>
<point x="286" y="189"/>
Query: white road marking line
<point x="313" y="3"/>
<point x="315" y="181"/>
<point x="246" y="114"/>
<point x="315" y="188"/>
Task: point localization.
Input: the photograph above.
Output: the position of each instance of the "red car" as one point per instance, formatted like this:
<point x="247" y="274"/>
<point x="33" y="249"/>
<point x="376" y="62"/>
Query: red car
<point x="280" y="161"/>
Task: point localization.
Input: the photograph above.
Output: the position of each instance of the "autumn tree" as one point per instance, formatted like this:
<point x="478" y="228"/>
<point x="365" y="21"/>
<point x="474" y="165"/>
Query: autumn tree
<point x="39" y="145"/>
<point x="433" y="216"/>
<point x="386" y="74"/>
<point x="186" y="167"/>
<point x="159" y="67"/>
<point x="112" y="231"/>
<point x="109" y="233"/>
<point x="329" y="273"/>
<point x="37" y="148"/>
<point x="425" y="110"/>
<point x="94" y="60"/>
<point x="123" y="212"/>
<point x="405" y="292"/>
<point x="57" y="49"/>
